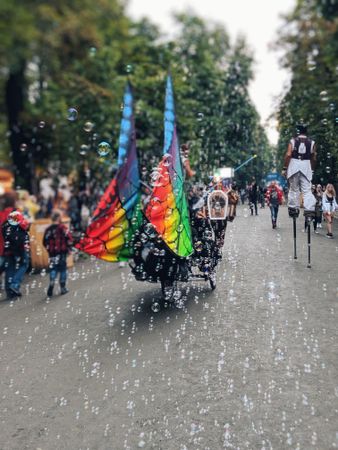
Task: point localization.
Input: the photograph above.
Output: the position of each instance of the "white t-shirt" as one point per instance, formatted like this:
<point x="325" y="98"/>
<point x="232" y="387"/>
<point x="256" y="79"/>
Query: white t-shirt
<point x="329" y="206"/>
<point x="299" y="165"/>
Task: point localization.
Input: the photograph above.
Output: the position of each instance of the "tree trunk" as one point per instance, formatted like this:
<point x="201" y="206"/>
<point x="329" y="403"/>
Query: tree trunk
<point x="15" y="93"/>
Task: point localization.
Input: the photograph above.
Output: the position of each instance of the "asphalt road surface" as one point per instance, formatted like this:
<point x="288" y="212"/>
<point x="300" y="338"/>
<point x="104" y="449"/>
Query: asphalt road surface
<point x="251" y="365"/>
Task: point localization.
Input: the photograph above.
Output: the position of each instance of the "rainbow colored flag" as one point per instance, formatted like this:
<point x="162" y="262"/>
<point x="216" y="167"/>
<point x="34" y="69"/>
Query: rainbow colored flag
<point x="118" y="213"/>
<point x="167" y="209"/>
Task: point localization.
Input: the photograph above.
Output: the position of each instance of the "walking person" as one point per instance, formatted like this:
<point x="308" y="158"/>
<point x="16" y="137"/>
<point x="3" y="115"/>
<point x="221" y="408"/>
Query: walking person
<point x="58" y="242"/>
<point x="318" y="193"/>
<point x="8" y="205"/>
<point x="318" y="212"/>
<point x="299" y="163"/>
<point x="253" y="194"/>
<point x="319" y="205"/>
<point x="329" y="208"/>
<point x="243" y="195"/>
<point x="262" y="192"/>
<point x="274" y="198"/>
<point x="16" y="252"/>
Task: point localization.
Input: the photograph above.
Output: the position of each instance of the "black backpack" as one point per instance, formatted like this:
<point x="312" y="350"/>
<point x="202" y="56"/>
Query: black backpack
<point x="14" y="240"/>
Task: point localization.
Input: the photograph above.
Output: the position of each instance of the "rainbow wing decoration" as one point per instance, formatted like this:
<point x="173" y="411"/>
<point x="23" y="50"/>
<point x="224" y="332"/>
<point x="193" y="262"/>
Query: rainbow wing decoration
<point x="167" y="209"/>
<point x="118" y="213"/>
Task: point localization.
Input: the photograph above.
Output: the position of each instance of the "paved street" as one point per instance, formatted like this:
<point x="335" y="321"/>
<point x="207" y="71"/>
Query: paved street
<point x="251" y="365"/>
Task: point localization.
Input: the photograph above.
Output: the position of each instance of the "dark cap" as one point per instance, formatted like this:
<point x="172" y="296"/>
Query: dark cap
<point x="301" y="128"/>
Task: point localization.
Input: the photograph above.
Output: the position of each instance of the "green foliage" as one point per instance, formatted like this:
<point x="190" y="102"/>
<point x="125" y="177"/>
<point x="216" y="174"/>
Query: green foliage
<point x="79" y="56"/>
<point x="310" y="39"/>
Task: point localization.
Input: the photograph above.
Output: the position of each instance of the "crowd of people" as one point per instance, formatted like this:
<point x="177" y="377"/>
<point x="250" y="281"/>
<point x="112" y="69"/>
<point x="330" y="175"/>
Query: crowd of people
<point x="19" y="209"/>
<point x="59" y="204"/>
<point x="274" y="196"/>
<point x="15" y="250"/>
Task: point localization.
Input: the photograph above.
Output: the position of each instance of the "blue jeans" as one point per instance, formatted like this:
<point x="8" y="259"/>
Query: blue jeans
<point x="58" y="265"/>
<point x="15" y="269"/>
<point x="2" y="264"/>
<point x="274" y="212"/>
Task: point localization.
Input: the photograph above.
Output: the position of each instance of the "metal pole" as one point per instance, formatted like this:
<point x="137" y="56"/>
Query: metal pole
<point x="245" y="162"/>
<point x="309" y="243"/>
<point x="294" y="239"/>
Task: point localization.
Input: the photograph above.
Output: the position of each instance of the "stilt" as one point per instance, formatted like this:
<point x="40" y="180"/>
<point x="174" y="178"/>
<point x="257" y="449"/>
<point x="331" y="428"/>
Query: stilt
<point x="308" y="222"/>
<point x="294" y="238"/>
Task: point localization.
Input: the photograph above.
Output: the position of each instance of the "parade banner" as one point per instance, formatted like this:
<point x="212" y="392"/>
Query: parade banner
<point x="167" y="209"/>
<point x="118" y="213"/>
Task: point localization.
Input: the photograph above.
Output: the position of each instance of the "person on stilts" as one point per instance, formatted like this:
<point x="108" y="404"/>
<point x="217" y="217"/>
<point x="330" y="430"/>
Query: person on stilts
<point x="299" y="163"/>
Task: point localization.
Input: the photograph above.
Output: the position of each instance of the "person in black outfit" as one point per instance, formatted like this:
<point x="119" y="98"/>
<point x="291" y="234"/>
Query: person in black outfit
<point x="253" y="197"/>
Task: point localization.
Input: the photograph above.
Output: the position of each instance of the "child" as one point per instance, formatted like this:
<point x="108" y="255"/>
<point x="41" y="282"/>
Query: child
<point x="274" y="198"/>
<point x="58" y="242"/>
<point x="16" y="252"/>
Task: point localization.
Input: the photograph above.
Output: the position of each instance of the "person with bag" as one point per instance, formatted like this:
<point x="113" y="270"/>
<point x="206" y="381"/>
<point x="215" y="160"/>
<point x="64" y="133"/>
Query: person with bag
<point x="58" y="243"/>
<point x="274" y="198"/>
<point x="329" y="208"/>
<point x="16" y="252"/>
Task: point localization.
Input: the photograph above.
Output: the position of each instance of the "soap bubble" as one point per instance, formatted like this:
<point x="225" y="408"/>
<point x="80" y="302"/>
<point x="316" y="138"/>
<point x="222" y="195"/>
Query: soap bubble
<point x="149" y="229"/>
<point x="41" y="124"/>
<point x="328" y="169"/>
<point x="180" y="228"/>
<point x="200" y="116"/>
<point x="84" y="149"/>
<point x="72" y="114"/>
<point x="199" y="246"/>
<point x="103" y="148"/>
<point x="23" y="147"/>
<point x="88" y="126"/>
<point x="167" y="158"/>
<point x="155" y="307"/>
<point x="129" y="68"/>
<point x="323" y="96"/>
<point x="92" y="51"/>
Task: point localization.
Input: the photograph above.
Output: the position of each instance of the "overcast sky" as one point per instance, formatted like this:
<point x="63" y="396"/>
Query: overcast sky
<point x="257" y="19"/>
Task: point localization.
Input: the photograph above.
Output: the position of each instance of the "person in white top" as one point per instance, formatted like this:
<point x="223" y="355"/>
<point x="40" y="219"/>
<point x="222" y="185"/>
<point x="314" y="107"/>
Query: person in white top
<point x="329" y="208"/>
<point x="299" y="163"/>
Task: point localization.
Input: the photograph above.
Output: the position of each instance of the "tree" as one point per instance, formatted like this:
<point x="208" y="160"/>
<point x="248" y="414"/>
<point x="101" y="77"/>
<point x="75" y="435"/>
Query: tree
<point x="309" y="40"/>
<point x="71" y="55"/>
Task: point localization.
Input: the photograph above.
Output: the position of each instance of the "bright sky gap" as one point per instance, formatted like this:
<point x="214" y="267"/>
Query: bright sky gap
<point x="258" y="20"/>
